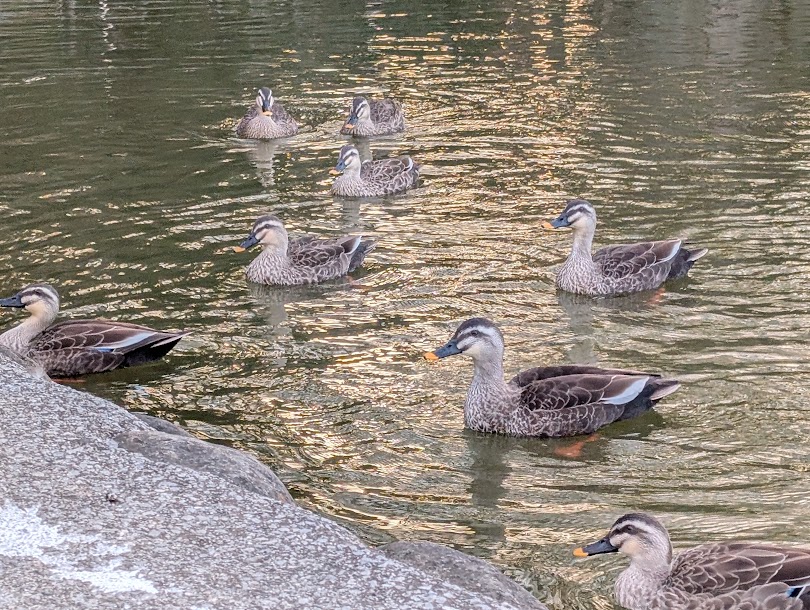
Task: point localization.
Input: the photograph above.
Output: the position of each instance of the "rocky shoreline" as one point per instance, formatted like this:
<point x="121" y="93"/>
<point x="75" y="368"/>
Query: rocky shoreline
<point x="102" y="508"/>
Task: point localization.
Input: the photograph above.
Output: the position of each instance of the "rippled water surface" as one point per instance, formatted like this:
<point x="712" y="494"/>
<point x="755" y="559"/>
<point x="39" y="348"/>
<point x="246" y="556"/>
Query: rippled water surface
<point x="122" y="184"/>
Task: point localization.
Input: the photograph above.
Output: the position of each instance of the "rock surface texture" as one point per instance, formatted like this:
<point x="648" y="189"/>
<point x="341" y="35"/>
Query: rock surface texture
<point x="99" y="509"/>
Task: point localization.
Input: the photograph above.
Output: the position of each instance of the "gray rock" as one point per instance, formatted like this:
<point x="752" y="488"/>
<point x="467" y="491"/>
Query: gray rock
<point x="463" y="570"/>
<point x="88" y="523"/>
<point x="161" y="425"/>
<point x="239" y="468"/>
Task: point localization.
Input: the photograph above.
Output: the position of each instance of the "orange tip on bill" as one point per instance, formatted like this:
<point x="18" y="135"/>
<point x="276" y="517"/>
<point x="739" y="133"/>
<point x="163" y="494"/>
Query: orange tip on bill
<point x="239" y="249"/>
<point x="334" y="172"/>
<point x="547" y="225"/>
<point x="579" y="552"/>
<point x="348" y="126"/>
<point x="430" y="356"/>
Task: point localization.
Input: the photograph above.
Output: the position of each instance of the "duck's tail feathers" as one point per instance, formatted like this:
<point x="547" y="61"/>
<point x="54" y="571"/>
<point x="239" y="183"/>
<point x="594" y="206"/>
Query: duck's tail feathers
<point x="664" y="387"/>
<point x="693" y="255"/>
<point x="364" y="246"/>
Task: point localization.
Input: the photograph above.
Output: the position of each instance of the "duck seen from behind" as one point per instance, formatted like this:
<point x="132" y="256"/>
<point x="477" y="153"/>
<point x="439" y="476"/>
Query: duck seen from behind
<point x="551" y="401"/>
<point x="306" y="260"/>
<point x="372" y="178"/>
<point x="78" y="347"/>
<point x="266" y="119"/>
<point x="616" y="269"/>
<point x="369" y="117"/>
<point x="719" y="576"/>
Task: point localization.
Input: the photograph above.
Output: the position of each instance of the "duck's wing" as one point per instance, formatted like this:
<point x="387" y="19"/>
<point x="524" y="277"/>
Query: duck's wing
<point x="579" y="404"/>
<point x="387" y="170"/>
<point x="637" y="259"/>
<point x="723" y="568"/>
<point x="320" y="253"/>
<point x="280" y="115"/>
<point x="100" y="335"/>
<point x="77" y="361"/>
<point x="545" y="372"/>
<point x="251" y="114"/>
<point x="385" y="110"/>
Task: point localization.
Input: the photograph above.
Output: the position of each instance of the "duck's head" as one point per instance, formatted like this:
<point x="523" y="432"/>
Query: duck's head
<point x="639" y="536"/>
<point x="40" y="300"/>
<point x="348" y="159"/>
<point x="477" y="338"/>
<point x="268" y="231"/>
<point x="264" y="100"/>
<point x="360" y="110"/>
<point x="578" y="214"/>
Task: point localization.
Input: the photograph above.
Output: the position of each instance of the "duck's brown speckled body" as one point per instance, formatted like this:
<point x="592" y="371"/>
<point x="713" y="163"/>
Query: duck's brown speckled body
<point x="370" y="117"/>
<point x="616" y="269"/>
<point x="372" y="178"/>
<point x="79" y="347"/>
<point x="546" y="401"/>
<point x="721" y="576"/>
<point x="306" y="260"/>
<point x="266" y="119"/>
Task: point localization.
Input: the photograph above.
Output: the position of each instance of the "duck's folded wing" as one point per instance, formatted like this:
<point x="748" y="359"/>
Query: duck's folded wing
<point x="546" y="372"/>
<point x="320" y="253"/>
<point x="78" y="361"/>
<point x="633" y="259"/>
<point x="280" y="115"/>
<point x="384" y="111"/>
<point x="721" y="568"/>
<point x="386" y="169"/>
<point x="101" y="335"/>
<point x="571" y="391"/>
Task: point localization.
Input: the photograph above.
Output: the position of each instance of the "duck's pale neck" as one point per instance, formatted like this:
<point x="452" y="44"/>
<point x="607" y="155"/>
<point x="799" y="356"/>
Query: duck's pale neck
<point x="19" y="337"/>
<point x="489" y="398"/>
<point x="583" y="241"/>
<point x="276" y="248"/>
<point x="643" y="579"/>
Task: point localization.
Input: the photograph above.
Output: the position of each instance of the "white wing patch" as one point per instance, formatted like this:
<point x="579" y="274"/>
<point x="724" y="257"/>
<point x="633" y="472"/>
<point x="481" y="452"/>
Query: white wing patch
<point x="633" y="390"/>
<point x="127" y="342"/>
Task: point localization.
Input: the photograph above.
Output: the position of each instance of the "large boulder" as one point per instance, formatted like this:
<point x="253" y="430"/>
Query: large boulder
<point x="99" y="510"/>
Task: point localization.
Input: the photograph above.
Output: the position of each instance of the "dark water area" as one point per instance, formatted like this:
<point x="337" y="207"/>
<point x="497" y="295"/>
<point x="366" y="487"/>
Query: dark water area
<point x="122" y="183"/>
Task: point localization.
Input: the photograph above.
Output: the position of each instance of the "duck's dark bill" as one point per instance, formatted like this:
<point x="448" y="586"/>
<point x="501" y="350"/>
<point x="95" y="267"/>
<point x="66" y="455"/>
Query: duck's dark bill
<point x="248" y="243"/>
<point x="597" y="548"/>
<point x="14" y="301"/>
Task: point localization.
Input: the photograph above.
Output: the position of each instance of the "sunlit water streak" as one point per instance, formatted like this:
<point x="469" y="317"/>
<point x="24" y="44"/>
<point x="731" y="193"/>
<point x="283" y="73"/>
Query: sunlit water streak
<point x="123" y="185"/>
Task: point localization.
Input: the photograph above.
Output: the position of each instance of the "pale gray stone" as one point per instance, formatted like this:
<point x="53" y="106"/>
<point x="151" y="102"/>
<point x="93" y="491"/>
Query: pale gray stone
<point x="161" y="425"/>
<point x="240" y="468"/>
<point x="463" y="570"/>
<point x="88" y="523"/>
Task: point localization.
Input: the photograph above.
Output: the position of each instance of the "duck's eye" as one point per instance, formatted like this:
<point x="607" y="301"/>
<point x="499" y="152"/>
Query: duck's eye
<point x="475" y="333"/>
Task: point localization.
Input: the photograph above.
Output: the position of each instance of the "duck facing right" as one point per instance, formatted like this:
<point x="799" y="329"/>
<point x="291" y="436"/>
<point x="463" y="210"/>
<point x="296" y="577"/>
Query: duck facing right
<point x="621" y="269"/>
<point x="565" y="400"/>
<point x="719" y="576"/>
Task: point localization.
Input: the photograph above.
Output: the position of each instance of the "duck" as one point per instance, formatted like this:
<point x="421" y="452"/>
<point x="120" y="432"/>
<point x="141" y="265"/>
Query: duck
<point x="621" y="269"/>
<point x="266" y="119"/>
<point x="370" y="117"/>
<point x="552" y="401"/>
<point x="305" y="260"/>
<point x="74" y="348"/>
<point x="718" y="576"/>
<point x="372" y="178"/>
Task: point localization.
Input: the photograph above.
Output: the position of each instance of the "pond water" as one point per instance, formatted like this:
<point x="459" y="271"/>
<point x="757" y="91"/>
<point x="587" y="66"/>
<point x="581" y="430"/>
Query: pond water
<point x="122" y="183"/>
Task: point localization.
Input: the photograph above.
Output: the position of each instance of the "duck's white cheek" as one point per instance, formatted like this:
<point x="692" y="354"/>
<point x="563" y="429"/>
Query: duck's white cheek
<point x="473" y="351"/>
<point x="630" y="547"/>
